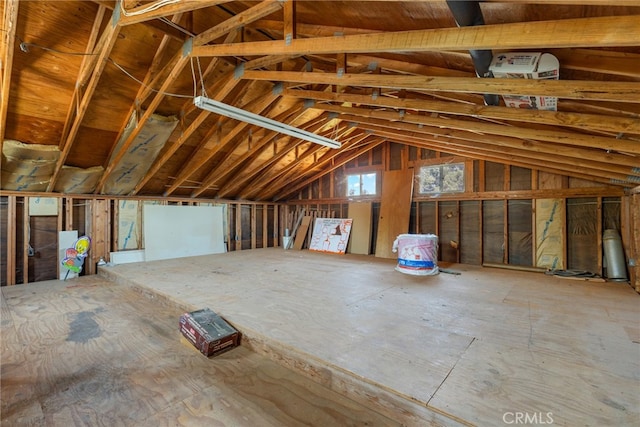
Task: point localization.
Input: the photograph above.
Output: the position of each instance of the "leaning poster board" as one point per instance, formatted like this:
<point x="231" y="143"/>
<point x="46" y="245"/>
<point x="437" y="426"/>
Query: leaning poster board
<point x="527" y="65"/>
<point x="330" y="235"/>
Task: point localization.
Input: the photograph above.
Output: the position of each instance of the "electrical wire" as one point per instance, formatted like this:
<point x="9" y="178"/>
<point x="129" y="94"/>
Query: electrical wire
<point x="24" y="46"/>
<point x="151" y="8"/>
<point x="121" y="68"/>
<point x="176" y="26"/>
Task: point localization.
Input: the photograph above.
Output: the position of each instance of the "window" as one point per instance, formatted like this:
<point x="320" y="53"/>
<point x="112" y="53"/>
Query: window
<point x="363" y="184"/>
<point x="447" y="178"/>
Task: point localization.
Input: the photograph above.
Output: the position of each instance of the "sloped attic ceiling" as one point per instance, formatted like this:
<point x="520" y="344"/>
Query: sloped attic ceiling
<point x="360" y="72"/>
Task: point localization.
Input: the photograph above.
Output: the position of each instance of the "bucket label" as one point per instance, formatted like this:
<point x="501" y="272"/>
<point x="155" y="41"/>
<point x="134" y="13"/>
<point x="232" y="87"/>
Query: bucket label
<point x="407" y="263"/>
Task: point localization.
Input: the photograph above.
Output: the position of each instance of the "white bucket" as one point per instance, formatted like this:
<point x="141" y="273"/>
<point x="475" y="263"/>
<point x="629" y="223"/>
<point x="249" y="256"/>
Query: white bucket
<point x="417" y="254"/>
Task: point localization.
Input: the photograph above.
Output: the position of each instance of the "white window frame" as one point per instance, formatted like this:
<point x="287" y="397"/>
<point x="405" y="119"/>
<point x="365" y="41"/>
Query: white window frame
<point x="360" y="175"/>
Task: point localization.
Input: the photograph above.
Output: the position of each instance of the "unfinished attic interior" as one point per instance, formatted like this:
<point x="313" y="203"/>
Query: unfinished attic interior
<point x="412" y="213"/>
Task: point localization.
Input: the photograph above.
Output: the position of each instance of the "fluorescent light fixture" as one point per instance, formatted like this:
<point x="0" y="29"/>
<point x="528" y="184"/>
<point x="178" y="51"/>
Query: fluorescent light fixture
<point x="265" y="122"/>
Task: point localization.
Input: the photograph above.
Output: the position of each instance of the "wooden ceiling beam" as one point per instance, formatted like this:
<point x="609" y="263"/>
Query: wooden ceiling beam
<point x="143" y="92"/>
<point x="297" y="169"/>
<point x="176" y="64"/>
<point x="587" y="122"/>
<point x="279" y="178"/>
<point x="600" y="61"/>
<point x="310" y="30"/>
<point x="293" y="171"/>
<point x="151" y="108"/>
<point x="149" y="11"/>
<point x="484" y="152"/>
<point x="223" y="87"/>
<point x="267" y="179"/>
<point x="240" y="179"/>
<point x="571" y="89"/>
<point x="219" y="174"/>
<point x="290" y="24"/>
<point x="258" y="11"/>
<point x="582" y="166"/>
<point x="84" y="67"/>
<point x="575" y="155"/>
<point x="10" y="23"/>
<point x="209" y="150"/>
<point x="109" y="36"/>
<point x="608" y="31"/>
<point x="557" y="137"/>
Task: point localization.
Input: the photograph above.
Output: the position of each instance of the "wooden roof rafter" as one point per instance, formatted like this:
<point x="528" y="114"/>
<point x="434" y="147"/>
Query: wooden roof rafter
<point x="179" y="61"/>
<point x="10" y="23"/>
<point x="104" y="47"/>
<point x="606" y="161"/>
<point x="295" y="169"/>
<point x="218" y="174"/>
<point x="208" y="150"/>
<point x="330" y="164"/>
<point x="581" y="121"/>
<point x="154" y="10"/>
<point x="348" y="134"/>
<point x="570" y="89"/>
<point x="555" y="136"/>
<point x="562" y="33"/>
<point x="249" y="177"/>
<point x="576" y="161"/>
<point x="486" y="152"/>
<point x="85" y="67"/>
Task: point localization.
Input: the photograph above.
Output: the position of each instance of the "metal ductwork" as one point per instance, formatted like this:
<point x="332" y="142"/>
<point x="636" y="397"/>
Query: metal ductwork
<point x="469" y="14"/>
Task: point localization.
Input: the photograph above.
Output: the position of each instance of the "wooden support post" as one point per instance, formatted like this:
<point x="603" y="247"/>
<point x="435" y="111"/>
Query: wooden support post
<point x="289" y="13"/>
<point x="89" y="229"/>
<point x="437" y="218"/>
<point x="505" y="231"/>
<point x="68" y="214"/>
<point x="59" y="228"/>
<point x="481" y="173"/>
<point x="11" y="240"/>
<point x="238" y="227"/>
<point x="599" y="231"/>
<point x="115" y="229"/>
<point x="26" y="231"/>
<point x="481" y="228"/>
<point x="254" y="227"/>
<point x="458" y="231"/>
<point x="265" y="228"/>
<point x="634" y="267"/>
<point x="228" y="223"/>
<point x="276" y="222"/>
<point x="534" y="230"/>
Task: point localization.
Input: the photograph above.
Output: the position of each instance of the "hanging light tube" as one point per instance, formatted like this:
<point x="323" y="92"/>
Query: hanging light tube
<point x="245" y="116"/>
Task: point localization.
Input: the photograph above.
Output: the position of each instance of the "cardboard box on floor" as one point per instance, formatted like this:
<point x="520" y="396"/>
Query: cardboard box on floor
<point x="527" y="65"/>
<point x="208" y="332"/>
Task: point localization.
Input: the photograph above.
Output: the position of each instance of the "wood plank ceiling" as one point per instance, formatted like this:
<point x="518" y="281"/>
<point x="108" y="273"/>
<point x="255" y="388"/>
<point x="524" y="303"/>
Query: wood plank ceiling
<point x="361" y="72"/>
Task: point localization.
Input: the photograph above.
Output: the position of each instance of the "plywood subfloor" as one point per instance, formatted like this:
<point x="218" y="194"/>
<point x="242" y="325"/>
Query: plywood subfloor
<point x="465" y="348"/>
<point x="91" y="352"/>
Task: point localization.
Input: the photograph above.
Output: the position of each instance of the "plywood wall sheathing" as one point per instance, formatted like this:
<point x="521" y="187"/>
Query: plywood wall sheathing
<point x="360" y="236"/>
<point x="395" y="207"/>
